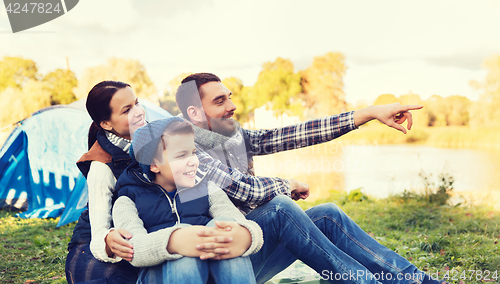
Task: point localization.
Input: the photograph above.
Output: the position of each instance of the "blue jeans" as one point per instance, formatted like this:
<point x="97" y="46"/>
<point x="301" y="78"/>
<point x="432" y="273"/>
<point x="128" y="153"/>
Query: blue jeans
<point x="194" y="270"/>
<point x="327" y="240"/>
<point x="83" y="268"/>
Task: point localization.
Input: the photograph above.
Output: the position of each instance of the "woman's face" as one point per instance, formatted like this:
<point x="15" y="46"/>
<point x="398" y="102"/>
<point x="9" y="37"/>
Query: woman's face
<point x="126" y="114"/>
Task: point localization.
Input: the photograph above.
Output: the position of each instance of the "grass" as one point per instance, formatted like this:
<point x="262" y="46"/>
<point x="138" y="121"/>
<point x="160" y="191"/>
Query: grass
<point x="436" y="238"/>
<point x="462" y="241"/>
<point x="32" y="250"/>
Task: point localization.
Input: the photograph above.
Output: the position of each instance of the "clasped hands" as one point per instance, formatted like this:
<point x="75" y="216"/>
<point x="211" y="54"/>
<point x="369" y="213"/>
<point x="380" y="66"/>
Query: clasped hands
<point x="227" y="240"/>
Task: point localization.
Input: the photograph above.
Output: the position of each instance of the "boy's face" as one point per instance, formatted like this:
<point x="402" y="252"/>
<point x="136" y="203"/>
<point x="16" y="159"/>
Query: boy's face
<point x="179" y="164"/>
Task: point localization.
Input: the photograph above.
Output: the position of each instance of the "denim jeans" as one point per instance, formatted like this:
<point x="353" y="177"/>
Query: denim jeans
<point x="194" y="270"/>
<point x="327" y="240"/>
<point x="83" y="268"/>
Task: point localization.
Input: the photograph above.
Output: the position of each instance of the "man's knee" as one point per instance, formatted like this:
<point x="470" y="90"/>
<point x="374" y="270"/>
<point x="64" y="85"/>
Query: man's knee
<point x="283" y="202"/>
<point x="329" y="209"/>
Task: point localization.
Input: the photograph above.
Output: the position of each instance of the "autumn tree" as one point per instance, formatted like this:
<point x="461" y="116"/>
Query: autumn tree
<point x="23" y="102"/>
<point x="129" y="71"/>
<point x="323" y="84"/>
<point x="458" y="110"/>
<point x="60" y="84"/>
<point x="173" y="84"/>
<point x="15" y="72"/>
<point x="385" y="99"/>
<point x="167" y="101"/>
<point x="278" y="87"/>
<point x="486" y="112"/>
<point x="239" y="97"/>
<point x="437" y="111"/>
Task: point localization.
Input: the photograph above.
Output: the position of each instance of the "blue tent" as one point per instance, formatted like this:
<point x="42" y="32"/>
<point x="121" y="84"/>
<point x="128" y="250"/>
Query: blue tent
<point x="37" y="162"/>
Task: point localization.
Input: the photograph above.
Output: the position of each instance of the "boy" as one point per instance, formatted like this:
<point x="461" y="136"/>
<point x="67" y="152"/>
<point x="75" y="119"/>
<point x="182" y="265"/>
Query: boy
<point x="161" y="193"/>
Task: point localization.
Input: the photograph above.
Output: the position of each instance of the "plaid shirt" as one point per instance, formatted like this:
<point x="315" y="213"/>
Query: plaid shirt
<point x="255" y="190"/>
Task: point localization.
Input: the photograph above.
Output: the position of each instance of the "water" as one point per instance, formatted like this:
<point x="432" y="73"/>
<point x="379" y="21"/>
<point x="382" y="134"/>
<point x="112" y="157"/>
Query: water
<point x="389" y="169"/>
<point x="381" y="170"/>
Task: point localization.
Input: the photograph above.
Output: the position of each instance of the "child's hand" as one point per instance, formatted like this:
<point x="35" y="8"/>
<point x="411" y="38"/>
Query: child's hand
<point x="195" y="241"/>
<point x="117" y="244"/>
<point x="239" y="241"/>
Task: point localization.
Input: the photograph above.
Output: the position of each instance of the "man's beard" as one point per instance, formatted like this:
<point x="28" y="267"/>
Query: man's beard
<point x="223" y="126"/>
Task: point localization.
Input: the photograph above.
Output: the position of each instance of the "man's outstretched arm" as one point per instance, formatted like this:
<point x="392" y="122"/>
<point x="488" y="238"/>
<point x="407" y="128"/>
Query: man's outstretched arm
<point x="312" y="132"/>
<point x="327" y="128"/>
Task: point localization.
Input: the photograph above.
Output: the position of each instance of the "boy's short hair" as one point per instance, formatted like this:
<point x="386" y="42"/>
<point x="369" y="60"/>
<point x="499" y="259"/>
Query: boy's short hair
<point x="148" y="142"/>
<point x="189" y="94"/>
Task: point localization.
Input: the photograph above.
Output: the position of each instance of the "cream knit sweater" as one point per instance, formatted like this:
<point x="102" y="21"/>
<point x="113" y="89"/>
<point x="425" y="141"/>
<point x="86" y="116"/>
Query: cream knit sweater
<point x="151" y="248"/>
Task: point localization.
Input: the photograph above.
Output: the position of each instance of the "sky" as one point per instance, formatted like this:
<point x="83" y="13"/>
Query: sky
<point x="426" y="47"/>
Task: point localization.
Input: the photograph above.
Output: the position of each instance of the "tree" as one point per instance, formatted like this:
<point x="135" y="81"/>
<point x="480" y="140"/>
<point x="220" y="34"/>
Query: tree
<point x="173" y="84"/>
<point x="437" y="111"/>
<point x="385" y="99"/>
<point x="23" y="102"/>
<point x="486" y="112"/>
<point x="168" y="103"/>
<point x="239" y="98"/>
<point x="323" y="84"/>
<point x="458" y="110"/>
<point x="61" y="83"/>
<point x="15" y="72"/>
<point x="278" y="87"/>
<point x="129" y="71"/>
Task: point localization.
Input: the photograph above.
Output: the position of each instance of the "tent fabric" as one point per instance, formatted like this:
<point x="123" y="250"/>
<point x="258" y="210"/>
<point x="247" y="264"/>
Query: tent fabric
<point x="37" y="162"/>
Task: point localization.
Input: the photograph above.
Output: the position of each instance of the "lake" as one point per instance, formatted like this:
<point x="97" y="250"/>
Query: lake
<point x="381" y="170"/>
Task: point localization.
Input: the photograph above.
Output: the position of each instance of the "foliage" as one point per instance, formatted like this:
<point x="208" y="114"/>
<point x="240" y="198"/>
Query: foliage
<point x="452" y="110"/>
<point x="324" y="85"/>
<point x="385" y="99"/>
<point x="173" y="84"/>
<point x="437" y="109"/>
<point x="16" y="72"/>
<point x="61" y="84"/>
<point x="26" y="91"/>
<point x="441" y="193"/>
<point x="130" y="71"/>
<point x="434" y="193"/>
<point x="487" y="111"/>
<point x="355" y="195"/>
<point x="169" y="104"/>
<point x="278" y="87"/>
<point x="239" y="98"/>
<point x="23" y="102"/>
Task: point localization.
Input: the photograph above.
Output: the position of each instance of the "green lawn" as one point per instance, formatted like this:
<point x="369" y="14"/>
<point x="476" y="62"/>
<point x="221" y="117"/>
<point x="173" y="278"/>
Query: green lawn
<point x="437" y="238"/>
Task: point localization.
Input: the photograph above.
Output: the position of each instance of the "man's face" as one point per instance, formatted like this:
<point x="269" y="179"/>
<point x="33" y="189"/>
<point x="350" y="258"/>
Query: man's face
<point x="218" y="108"/>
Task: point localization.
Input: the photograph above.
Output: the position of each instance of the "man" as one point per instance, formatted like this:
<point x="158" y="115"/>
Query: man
<point x="323" y="237"/>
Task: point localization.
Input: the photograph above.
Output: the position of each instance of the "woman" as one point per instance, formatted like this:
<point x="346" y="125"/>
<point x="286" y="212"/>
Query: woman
<point x="116" y="113"/>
